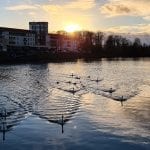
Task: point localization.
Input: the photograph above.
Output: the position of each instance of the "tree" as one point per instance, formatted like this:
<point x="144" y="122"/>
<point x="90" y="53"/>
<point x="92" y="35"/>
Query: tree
<point x="109" y="44"/>
<point x="137" y="43"/>
<point x="87" y="41"/>
<point x="98" y="39"/>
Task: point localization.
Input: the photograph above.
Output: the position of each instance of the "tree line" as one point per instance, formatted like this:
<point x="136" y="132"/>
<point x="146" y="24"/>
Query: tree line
<point x="93" y="44"/>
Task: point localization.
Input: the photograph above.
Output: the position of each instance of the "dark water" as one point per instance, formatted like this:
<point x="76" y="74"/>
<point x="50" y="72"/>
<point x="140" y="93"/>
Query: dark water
<point x="79" y="105"/>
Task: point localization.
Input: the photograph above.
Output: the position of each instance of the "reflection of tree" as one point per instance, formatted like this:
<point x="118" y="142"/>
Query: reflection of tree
<point x="9" y="118"/>
<point x="3" y="124"/>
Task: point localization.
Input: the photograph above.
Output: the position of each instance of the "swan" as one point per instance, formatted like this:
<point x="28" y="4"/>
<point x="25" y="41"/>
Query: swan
<point x="97" y="80"/>
<point x="121" y="99"/>
<point x="111" y="90"/>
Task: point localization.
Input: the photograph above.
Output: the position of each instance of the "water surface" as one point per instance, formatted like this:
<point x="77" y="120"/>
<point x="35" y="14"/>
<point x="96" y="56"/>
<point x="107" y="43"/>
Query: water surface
<point x="75" y="105"/>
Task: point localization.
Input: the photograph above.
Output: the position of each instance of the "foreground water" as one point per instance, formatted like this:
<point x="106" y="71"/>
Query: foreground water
<point x="78" y="105"/>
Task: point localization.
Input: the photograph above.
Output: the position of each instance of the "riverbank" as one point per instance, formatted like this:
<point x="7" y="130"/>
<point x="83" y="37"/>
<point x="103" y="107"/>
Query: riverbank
<point x="47" y="56"/>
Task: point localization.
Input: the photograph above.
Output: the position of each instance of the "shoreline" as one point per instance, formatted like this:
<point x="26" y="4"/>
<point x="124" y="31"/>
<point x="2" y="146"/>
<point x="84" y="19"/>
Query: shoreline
<point x="49" y="57"/>
<point x="62" y="60"/>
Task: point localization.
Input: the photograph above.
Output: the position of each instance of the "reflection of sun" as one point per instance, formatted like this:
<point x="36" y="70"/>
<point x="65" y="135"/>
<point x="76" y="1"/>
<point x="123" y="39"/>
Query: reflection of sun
<point x="72" y="28"/>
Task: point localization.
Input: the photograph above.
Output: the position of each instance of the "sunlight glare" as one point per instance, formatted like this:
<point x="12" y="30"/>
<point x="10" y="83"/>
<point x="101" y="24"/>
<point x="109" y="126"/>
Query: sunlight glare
<point x="72" y="28"/>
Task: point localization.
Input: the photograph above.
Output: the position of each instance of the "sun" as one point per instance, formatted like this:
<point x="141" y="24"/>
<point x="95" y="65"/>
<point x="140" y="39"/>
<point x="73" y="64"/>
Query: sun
<point x="72" y="28"/>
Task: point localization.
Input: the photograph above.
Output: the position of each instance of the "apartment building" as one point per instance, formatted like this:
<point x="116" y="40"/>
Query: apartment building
<point x="10" y="37"/>
<point x="68" y="43"/>
<point x="62" y="43"/>
<point x="52" y="41"/>
<point x="41" y="29"/>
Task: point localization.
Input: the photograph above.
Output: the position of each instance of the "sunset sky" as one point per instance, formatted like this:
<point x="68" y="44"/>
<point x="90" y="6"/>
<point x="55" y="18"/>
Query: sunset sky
<point x="129" y="16"/>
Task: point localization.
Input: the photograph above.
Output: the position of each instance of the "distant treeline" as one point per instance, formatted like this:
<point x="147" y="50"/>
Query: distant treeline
<point x="113" y="46"/>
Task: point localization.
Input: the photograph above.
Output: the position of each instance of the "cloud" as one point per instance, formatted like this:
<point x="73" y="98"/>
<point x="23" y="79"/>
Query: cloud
<point x="126" y="7"/>
<point x="32" y="14"/>
<point x="115" y="10"/>
<point x="22" y="7"/>
<point x="58" y="14"/>
<point x="78" y="4"/>
<point x="81" y="4"/>
<point x="53" y="9"/>
<point x="140" y="28"/>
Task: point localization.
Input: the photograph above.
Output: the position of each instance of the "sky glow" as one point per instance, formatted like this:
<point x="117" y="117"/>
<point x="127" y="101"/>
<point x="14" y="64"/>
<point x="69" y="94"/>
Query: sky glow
<point x="125" y="16"/>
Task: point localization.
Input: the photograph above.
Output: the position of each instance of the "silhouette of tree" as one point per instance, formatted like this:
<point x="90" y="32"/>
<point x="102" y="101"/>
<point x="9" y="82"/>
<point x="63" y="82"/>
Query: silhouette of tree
<point x="137" y="43"/>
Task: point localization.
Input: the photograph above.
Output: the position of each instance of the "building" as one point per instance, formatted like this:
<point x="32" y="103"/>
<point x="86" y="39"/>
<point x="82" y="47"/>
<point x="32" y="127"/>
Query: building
<point x="3" y="44"/>
<point x="10" y="37"/>
<point x="41" y="29"/>
<point x="18" y="40"/>
<point x="67" y="43"/>
<point x="52" y="41"/>
<point x="62" y="43"/>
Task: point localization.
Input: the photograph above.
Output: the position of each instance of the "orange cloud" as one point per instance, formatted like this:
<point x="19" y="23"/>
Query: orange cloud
<point x="81" y="4"/>
<point x="126" y="7"/>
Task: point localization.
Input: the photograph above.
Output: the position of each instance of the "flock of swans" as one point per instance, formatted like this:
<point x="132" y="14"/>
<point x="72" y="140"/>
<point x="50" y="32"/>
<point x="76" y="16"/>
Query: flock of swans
<point x="83" y="84"/>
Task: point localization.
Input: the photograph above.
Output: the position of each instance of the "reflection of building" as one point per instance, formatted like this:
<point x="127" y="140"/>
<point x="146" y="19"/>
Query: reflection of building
<point x="41" y="29"/>
<point x="11" y="37"/>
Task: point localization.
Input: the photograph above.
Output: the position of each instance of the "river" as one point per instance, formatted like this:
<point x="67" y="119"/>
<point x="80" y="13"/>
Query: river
<point x="75" y="105"/>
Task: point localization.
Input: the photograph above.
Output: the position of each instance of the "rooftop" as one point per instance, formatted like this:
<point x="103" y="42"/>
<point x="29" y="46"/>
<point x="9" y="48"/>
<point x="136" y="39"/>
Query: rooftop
<point x="15" y="30"/>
